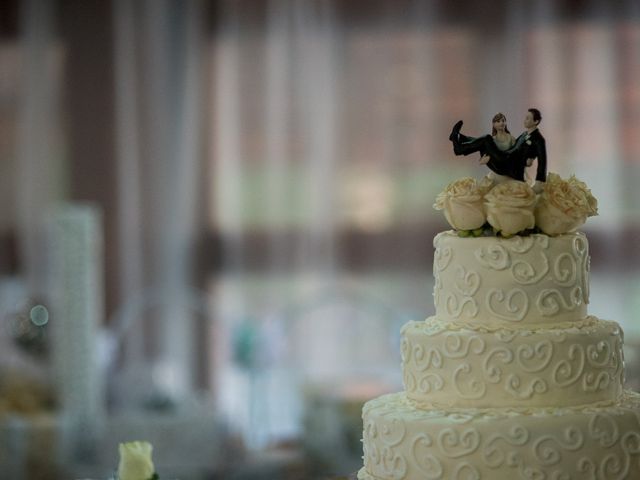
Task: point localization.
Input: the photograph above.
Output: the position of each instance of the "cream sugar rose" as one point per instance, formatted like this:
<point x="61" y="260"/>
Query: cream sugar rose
<point x="136" y="462"/>
<point x="512" y="206"/>
<point x="511" y="378"/>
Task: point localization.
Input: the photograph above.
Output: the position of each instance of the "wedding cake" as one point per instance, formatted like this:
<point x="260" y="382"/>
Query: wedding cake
<point x="511" y="378"/>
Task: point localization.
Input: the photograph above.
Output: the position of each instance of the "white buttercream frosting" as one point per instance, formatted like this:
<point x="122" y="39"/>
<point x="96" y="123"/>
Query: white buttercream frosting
<point x="517" y="280"/>
<point x="403" y="442"/>
<point x="510" y="379"/>
<point x="459" y="367"/>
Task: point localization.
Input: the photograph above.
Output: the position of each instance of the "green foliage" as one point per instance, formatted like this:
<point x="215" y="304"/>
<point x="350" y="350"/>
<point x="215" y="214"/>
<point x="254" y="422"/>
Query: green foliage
<point x="488" y="231"/>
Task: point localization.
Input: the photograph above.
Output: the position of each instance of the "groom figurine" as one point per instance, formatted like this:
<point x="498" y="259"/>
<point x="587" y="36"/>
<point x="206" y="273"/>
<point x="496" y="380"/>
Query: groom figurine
<point x="512" y="162"/>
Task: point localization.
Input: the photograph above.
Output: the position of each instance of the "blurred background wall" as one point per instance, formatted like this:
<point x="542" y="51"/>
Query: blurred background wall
<point x="262" y="174"/>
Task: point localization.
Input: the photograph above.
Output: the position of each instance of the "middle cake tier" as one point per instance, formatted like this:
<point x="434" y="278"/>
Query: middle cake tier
<point x="449" y="365"/>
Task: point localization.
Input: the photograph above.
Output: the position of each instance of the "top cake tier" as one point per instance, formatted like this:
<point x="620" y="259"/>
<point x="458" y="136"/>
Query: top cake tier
<point x="518" y="281"/>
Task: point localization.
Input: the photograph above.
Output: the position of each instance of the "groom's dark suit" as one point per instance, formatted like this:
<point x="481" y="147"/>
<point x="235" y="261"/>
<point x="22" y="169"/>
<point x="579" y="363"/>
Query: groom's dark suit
<point x="510" y="162"/>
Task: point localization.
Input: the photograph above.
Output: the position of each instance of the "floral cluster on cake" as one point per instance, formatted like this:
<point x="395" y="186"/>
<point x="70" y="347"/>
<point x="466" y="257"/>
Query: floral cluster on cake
<point x="512" y="207"/>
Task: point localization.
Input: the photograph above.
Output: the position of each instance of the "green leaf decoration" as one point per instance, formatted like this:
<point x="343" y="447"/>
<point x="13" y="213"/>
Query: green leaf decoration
<point x="488" y="231"/>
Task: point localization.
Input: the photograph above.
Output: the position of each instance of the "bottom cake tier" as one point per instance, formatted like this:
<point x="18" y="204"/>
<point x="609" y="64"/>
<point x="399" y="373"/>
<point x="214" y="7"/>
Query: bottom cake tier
<point x="403" y="441"/>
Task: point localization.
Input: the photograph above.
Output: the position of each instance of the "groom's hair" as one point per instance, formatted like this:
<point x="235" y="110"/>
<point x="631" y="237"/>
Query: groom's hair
<point x="537" y="116"/>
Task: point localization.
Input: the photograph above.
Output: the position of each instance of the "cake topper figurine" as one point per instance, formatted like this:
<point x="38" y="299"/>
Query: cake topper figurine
<point x="504" y="203"/>
<point x="503" y="154"/>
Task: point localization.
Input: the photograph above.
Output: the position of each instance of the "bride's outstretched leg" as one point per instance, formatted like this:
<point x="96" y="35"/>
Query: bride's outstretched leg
<point x="468" y="145"/>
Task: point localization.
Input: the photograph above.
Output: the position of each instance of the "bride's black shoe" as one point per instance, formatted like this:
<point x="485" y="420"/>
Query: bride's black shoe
<point x="455" y="132"/>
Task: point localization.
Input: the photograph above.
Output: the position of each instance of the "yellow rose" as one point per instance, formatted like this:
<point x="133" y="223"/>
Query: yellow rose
<point x="564" y="205"/>
<point x="510" y="206"/>
<point x="592" y="202"/>
<point x="135" y="461"/>
<point x="462" y="203"/>
<point x="487" y="183"/>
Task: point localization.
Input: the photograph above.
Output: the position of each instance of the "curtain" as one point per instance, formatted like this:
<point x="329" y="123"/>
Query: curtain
<point x="159" y="71"/>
